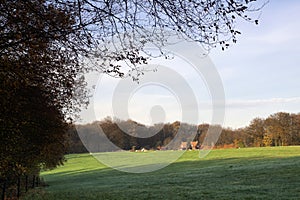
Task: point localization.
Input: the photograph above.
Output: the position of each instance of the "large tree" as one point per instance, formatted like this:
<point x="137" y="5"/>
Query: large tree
<point x="256" y="130"/>
<point x="43" y="44"/>
<point x="39" y="78"/>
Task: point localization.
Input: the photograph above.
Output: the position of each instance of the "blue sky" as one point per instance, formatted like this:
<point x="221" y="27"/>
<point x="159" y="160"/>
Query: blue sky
<point x="261" y="72"/>
<point x="260" y="76"/>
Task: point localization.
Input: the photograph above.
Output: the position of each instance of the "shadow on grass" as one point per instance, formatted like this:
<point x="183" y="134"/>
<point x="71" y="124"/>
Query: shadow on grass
<point x="258" y="173"/>
<point x="230" y="178"/>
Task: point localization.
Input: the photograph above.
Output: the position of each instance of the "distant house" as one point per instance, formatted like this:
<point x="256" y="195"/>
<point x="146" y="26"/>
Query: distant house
<point x="183" y="146"/>
<point x="189" y="145"/>
<point x="194" y="145"/>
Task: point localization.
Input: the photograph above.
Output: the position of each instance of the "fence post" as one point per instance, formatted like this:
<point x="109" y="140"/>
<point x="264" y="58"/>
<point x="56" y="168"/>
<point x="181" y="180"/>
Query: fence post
<point x="3" y="190"/>
<point x="37" y="181"/>
<point x="26" y="183"/>
<point x="18" y="187"/>
<point x="33" y="180"/>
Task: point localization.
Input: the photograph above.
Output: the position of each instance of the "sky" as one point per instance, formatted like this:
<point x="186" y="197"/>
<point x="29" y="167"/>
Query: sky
<point x="261" y="72"/>
<point x="259" y="75"/>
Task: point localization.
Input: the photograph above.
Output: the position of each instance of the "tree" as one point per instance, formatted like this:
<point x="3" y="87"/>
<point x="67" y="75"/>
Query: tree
<point x="256" y="130"/>
<point x="133" y="24"/>
<point x="294" y="130"/>
<point x="35" y="51"/>
<point x="38" y="83"/>
<point x="94" y="25"/>
<point x="267" y="140"/>
<point x="280" y="126"/>
<point x="33" y="136"/>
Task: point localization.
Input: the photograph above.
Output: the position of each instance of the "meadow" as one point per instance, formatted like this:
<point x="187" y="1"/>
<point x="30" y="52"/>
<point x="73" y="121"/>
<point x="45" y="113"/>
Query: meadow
<point x="246" y="173"/>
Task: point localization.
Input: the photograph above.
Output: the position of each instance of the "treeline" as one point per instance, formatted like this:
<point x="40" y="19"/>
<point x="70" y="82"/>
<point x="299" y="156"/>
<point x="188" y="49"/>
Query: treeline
<point x="279" y="129"/>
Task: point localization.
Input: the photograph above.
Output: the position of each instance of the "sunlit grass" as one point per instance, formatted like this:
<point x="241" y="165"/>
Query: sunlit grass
<point x="250" y="173"/>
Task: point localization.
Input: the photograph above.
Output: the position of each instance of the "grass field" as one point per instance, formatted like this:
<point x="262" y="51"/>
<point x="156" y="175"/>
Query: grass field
<point x="249" y="173"/>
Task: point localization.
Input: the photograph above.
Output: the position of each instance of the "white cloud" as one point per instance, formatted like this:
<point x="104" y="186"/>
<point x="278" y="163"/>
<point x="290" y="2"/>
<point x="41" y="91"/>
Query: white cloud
<point x="239" y="113"/>
<point x="242" y="104"/>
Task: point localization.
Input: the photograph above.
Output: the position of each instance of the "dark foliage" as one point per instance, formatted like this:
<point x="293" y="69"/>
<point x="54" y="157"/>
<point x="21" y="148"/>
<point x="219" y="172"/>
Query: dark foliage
<point x="254" y="135"/>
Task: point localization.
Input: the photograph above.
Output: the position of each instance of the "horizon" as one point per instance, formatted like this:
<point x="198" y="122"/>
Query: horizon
<point x="114" y="119"/>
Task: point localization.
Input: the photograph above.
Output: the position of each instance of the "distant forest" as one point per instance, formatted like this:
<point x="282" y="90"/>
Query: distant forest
<point x="279" y="129"/>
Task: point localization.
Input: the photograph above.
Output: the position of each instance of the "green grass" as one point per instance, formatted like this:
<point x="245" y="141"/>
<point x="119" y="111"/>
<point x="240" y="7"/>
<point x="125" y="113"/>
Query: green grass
<point x="250" y="173"/>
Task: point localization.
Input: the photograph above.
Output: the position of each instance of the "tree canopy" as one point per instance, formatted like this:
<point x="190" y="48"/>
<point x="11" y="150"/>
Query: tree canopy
<point x="89" y="29"/>
<point x="279" y="129"/>
<point x="119" y="30"/>
<point x="40" y="77"/>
